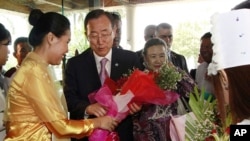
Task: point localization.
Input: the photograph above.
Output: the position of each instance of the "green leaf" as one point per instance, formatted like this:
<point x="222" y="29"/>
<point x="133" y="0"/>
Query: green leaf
<point x="198" y="125"/>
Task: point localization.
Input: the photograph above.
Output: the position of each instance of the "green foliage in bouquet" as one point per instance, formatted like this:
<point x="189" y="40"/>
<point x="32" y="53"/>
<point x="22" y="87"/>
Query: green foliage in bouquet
<point x="167" y="77"/>
<point x="204" y="123"/>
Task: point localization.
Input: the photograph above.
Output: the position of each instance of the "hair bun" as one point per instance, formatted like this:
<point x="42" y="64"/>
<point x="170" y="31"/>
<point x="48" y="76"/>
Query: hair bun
<point x="34" y="16"/>
<point x="1" y="27"/>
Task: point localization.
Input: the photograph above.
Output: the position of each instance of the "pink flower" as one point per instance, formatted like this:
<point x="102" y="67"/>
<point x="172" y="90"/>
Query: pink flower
<point x="139" y="88"/>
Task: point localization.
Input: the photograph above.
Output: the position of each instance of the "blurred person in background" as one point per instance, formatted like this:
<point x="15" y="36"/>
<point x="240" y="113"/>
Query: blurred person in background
<point x="118" y="27"/>
<point x="206" y="52"/>
<point x="21" y="49"/>
<point x="5" y="40"/>
<point x="165" y="32"/>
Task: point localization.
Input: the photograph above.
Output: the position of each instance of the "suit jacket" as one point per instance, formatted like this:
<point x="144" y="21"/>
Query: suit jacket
<point x="120" y="47"/>
<point x="81" y="78"/>
<point x="179" y="61"/>
<point x="139" y="53"/>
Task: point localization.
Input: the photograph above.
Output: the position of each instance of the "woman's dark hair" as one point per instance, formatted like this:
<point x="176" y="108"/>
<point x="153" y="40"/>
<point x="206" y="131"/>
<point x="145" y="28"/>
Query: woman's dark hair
<point x="242" y="5"/>
<point x="239" y="96"/>
<point x="238" y="89"/>
<point x="94" y="14"/>
<point x="218" y="92"/>
<point x="206" y="35"/>
<point x="43" y="23"/>
<point x="4" y="33"/>
<point x="152" y="42"/>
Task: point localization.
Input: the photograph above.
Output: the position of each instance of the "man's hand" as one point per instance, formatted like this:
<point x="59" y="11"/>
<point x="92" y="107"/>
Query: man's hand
<point x="96" y="109"/>
<point x="134" y="108"/>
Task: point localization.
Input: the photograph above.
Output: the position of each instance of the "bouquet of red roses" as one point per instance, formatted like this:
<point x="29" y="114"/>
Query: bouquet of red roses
<point x="139" y="87"/>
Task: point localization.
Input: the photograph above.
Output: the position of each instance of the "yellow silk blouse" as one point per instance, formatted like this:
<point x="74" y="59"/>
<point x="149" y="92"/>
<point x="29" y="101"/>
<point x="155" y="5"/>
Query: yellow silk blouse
<point x="34" y="107"/>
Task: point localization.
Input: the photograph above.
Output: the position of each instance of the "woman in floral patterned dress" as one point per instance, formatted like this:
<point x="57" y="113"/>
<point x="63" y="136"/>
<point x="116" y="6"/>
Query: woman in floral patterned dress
<point x="152" y="123"/>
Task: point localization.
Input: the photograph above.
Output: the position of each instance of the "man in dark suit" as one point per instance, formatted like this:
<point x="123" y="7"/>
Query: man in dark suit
<point x="82" y="71"/>
<point x="165" y="32"/>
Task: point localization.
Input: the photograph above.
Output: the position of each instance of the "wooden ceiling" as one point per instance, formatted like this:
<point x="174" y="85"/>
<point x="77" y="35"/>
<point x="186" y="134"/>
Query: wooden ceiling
<point x="25" y="6"/>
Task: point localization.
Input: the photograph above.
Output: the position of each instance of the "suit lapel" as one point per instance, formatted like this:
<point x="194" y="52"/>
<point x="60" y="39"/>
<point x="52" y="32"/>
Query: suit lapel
<point x="116" y="69"/>
<point x="173" y="58"/>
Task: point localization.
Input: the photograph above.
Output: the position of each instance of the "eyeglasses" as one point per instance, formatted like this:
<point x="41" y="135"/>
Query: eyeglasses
<point x="104" y="36"/>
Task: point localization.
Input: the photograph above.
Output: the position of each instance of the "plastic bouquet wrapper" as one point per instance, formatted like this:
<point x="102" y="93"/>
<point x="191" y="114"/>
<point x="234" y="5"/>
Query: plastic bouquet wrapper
<point x="140" y="87"/>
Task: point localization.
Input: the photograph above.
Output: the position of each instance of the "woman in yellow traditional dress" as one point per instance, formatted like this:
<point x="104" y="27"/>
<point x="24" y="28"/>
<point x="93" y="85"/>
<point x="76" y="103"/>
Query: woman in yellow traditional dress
<point x="35" y="110"/>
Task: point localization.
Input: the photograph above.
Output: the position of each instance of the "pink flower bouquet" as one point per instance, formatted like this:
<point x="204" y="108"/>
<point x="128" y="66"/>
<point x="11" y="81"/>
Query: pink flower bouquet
<point x="140" y="87"/>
